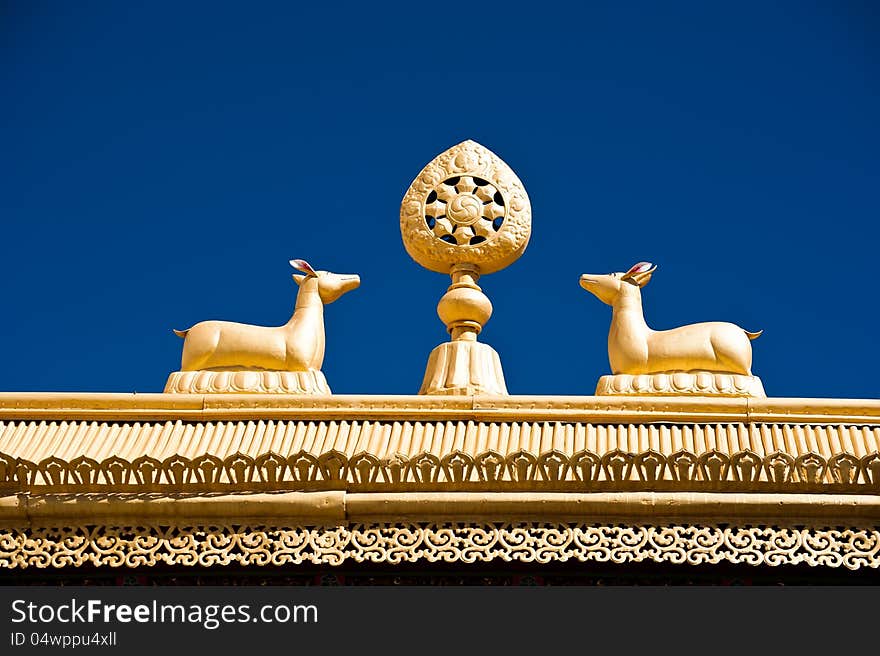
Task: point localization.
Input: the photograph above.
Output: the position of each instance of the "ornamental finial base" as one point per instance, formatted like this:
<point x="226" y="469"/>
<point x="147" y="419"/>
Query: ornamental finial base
<point x="681" y="383"/>
<point x="463" y="369"/>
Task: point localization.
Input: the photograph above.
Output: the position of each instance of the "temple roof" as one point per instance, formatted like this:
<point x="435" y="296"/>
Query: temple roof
<point x="115" y="441"/>
<point x="248" y="457"/>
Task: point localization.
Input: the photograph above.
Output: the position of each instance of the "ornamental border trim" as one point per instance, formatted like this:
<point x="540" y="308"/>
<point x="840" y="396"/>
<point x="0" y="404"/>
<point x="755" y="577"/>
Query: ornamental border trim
<point x="206" y="546"/>
<point x="617" y="469"/>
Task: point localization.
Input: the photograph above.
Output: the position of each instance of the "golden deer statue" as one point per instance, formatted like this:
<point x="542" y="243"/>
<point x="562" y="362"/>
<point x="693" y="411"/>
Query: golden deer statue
<point x="633" y="348"/>
<point x="297" y="346"/>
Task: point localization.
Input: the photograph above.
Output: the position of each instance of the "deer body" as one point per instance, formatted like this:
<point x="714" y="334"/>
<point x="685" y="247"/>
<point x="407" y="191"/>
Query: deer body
<point x="298" y="345"/>
<point x="633" y="348"/>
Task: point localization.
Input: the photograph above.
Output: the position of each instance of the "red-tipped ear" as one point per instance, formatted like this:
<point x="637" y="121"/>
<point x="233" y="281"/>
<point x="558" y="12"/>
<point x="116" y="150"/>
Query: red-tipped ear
<point x="305" y="267"/>
<point x="641" y="267"/>
<point x="640" y="274"/>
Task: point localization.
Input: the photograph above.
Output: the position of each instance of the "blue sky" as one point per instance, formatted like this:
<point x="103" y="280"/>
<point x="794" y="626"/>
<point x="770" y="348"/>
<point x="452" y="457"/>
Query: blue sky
<point x="160" y="163"/>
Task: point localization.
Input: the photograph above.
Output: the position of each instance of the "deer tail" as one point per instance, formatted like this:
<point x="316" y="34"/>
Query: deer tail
<point x="181" y="333"/>
<point x="753" y="335"/>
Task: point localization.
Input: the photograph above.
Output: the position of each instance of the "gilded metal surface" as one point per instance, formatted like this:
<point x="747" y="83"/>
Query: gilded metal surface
<point x="465" y="214"/>
<point x="247" y="382"/>
<point x="227" y="543"/>
<point x="224" y="356"/>
<point x="466" y="207"/>
<point x="98" y="439"/>
<point x="583" y="470"/>
<point x="680" y="459"/>
<point x="463" y="369"/>
<point x="634" y="348"/>
<point x="600" y="410"/>
<point x="705" y="383"/>
<point x="451" y="454"/>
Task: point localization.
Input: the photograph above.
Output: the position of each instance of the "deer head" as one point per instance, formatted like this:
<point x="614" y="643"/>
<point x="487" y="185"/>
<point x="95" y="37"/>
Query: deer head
<point x="607" y="287"/>
<point x="329" y="286"/>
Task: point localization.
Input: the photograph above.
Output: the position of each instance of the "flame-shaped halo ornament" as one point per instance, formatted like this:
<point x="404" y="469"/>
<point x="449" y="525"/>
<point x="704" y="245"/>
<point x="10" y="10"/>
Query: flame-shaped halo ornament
<point x="466" y="207"/>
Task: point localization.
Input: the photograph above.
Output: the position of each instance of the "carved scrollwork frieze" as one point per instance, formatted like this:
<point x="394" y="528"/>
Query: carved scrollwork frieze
<point x="395" y="543"/>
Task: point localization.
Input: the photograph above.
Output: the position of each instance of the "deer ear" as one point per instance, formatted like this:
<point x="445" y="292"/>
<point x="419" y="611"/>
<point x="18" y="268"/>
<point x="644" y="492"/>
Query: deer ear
<point x="643" y="277"/>
<point x="298" y="278"/>
<point x="641" y="267"/>
<point x="305" y="267"/>
<point x="640" y="273"/>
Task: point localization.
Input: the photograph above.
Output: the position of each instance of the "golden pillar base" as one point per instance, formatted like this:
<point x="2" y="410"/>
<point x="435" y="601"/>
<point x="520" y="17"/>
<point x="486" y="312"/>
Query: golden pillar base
<point x="247" y="382"/>
<point x="464" y="368"/>
<point x="677" y="383"/>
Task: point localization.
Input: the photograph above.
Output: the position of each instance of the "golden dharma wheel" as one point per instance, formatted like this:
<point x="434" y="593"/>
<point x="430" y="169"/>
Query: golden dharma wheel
<point x="467" y="206"/>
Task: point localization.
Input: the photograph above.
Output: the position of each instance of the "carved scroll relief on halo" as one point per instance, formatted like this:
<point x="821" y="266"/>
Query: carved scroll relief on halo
<point x="466" y="206"/>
